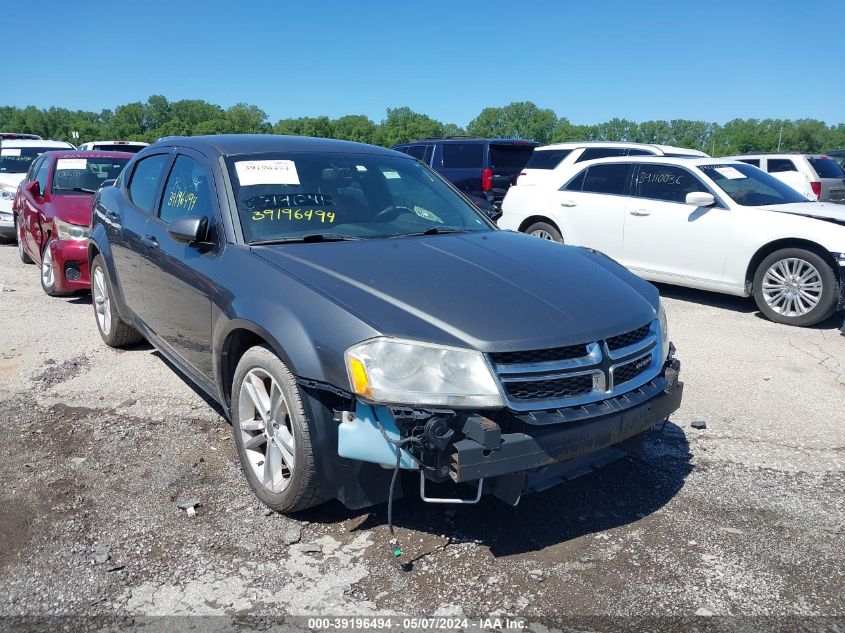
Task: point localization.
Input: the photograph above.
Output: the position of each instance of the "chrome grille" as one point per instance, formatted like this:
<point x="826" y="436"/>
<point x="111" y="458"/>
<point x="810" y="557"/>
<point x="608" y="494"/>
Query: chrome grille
<point x="579" y="374"/>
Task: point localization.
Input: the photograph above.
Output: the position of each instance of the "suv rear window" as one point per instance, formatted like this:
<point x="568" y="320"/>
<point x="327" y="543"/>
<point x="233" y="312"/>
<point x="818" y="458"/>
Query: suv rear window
<point x="510" y="157"/>
<point x="827" y="168"/>
<point x="547" y="159"/>
<point x="462" y="155"/>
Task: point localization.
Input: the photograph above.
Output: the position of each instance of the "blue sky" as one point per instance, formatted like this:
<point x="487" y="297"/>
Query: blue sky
<point x="588" y="61"/>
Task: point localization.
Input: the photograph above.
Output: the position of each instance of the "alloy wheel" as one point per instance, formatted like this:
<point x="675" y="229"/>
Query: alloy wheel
<point x="543" y="235"/>
<point x="48" y="274"/>
<point x="792" y="287"/>
<point x="266" y="430"/>
<point x="102" y="303"/>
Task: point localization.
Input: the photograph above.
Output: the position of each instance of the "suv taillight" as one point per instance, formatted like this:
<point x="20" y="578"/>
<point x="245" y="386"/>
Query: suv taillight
<point x="486" y="179"/>
<point x="817" y="188"/>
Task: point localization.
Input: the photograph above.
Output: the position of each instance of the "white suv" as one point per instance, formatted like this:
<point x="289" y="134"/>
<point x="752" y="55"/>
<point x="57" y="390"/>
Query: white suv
<point x="551" y="160"/>
<point x="114" y="146"/>
<point x="817" y="176"/>
<point x="16" y="155"/>
<point x="699" y="222"/>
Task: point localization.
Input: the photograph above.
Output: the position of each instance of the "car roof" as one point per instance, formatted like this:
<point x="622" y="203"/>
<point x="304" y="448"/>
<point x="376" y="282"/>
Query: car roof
<point x="116" y="143"/>
<point x="666" y="149"/>
<point x="232" y="144"/>
<point x="778" y="155"/>
<point x="89" y="154"/>
<point x="472" y="139"/>
<point x="22" y="143"/>
<point x="664" y="160"/>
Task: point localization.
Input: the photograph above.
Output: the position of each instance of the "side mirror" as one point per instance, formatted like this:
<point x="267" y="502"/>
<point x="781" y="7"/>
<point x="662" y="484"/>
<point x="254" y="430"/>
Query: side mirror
<point x="190" y="229"/>
<point x="34" y="189"/>
<point x="700" y="199"/>
<point x="108" y="183"/>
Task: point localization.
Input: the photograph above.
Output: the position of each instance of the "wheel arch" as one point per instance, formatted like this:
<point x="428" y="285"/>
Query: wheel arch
<point x="790" y="242"/>
<point x="531" y="219"/>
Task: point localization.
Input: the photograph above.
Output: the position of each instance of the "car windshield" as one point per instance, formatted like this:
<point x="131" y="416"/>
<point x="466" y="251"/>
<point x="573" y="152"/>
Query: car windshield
<point x="85" y="175"/>
<point x="749" y="186"/>
<point x="286" y="197"/>
<point x="16" y="160"/>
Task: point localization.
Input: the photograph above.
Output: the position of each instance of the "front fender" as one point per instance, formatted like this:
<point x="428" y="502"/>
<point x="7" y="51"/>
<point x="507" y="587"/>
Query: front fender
<point x="98" y="243"/>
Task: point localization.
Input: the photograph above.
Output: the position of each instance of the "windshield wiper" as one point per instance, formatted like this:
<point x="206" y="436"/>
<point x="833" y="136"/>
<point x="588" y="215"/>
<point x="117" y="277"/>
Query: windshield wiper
<point x="310" y="237"/>
<point x="77" y="189"/>
<point x="435" y="230"/>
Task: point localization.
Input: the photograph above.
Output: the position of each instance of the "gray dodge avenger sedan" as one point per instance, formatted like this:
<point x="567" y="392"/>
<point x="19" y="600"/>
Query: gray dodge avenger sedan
<point x="354" y="314"/>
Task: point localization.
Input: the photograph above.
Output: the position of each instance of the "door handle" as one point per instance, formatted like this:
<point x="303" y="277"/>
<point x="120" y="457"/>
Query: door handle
<point x="568" y="203"/>
<point x="640" y="212"/>
<point x="150" y="240"/>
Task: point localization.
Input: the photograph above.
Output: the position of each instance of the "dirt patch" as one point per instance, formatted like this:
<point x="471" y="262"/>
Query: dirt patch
<point x="57" y="373"/>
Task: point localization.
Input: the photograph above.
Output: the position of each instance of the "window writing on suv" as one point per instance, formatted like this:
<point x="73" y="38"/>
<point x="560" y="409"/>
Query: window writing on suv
<point x="145" y="180"/>
<point x="187" y="191"/>
<point x="665" y="182"/>
<point x="591" y="153"/>
<point x="827" y="168"/>
<point x="607" y="179"/>
<point x="774" y="165"/>
<point x="547" y="159"/>
<point x="457" y="155"/>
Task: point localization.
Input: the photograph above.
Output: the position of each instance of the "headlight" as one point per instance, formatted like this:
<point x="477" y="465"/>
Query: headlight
<point x="68" y="231"/>
<point x="7" y="192"/>
<point x="406" y="372"/>
<point x="664" y="331"/>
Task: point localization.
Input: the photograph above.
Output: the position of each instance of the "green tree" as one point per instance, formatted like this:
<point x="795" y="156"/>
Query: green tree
<point x="355" y="127"/>
<point x="403" y="124"/>
<point x="320" y="127"/>
<point x="521" y="119"/>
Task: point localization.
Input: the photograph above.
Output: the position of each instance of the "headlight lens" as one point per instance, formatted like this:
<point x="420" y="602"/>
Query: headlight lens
<point x="407" y="372"/>
<point x="7" y="192"/>
<point x="68" y="231"/>
<point x="664" y="331"/>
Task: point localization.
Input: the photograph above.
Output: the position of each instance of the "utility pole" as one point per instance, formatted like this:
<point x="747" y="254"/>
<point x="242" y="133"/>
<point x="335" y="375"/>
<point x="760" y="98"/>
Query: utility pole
<point x="780" y="137"/>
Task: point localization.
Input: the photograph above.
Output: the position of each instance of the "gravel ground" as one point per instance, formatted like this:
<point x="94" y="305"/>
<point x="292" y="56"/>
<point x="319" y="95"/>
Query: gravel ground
<point x="743" y="518"/>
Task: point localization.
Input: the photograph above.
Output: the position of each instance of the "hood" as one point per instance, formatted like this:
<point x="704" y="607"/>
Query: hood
<point x="491" y="291"/>
<point x="75" y="208"/>
<point x="823" y="210"/>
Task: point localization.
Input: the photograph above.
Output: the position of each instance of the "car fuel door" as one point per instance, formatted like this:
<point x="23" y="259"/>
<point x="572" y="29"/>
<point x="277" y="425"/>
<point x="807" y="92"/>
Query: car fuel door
<point x="177" y="273"/>
<point x="670" y="239"/>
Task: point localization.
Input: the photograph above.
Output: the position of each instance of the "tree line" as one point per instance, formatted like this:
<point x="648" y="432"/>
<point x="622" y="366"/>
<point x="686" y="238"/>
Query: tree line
<point x="159" y="117"/>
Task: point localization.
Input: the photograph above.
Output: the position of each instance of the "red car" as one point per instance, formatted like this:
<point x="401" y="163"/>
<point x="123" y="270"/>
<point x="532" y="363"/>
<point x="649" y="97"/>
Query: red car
<point x="52" y="213"/>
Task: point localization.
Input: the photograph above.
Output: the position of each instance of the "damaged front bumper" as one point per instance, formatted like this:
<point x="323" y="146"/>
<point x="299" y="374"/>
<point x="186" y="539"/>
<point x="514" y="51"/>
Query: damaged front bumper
<point x="512" y="453"/>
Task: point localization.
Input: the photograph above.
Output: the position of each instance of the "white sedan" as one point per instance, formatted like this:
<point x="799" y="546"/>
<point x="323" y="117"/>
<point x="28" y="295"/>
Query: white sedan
<point x="705" y="223"/>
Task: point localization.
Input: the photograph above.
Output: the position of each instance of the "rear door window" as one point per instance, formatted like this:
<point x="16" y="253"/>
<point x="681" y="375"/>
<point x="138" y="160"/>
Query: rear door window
<point x="827" y="168"/>
<point x="666" y="182"/>
<point x="417" y="151"/>
<point x="607" y="179"/>
<point x="592" y="153"/>
<point x="462" y="155"/>
<point x="145" y="182"/>
<point x="775" y="165"/>
<point x="750" y="161"/>
<point x="547" y="159"/>
<point x="639" y="152"/>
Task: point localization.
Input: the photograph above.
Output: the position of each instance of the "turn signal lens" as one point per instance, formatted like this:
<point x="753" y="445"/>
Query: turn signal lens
<point x="360" y="381"/>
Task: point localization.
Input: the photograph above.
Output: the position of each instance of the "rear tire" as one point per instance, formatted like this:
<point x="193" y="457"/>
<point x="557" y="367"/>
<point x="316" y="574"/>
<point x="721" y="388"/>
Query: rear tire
<point x="114" y="331"/>
<point x="796" y="287"/>
<point x="273" y="433"/>
<point x="545" y="231"/>
<point x="25" y="258"/>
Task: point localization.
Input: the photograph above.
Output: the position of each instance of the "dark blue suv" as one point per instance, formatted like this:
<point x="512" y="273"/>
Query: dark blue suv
<point x="480" y="167"/>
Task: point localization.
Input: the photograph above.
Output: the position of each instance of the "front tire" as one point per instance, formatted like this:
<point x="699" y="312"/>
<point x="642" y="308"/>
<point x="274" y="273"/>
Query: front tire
<point x="795" y="287"/>
<point x="273" y="433"/>
<point x="48" y="273"/>
<point x="25" y="258"/>
<point x="545" y="231"/>
<point x="114" y="331"/>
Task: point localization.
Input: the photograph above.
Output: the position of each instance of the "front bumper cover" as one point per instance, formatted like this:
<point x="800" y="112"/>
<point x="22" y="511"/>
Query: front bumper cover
<point x="544" y="446"/>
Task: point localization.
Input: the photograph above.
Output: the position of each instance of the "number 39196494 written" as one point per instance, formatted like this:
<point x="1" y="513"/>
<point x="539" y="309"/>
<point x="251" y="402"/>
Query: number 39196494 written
<point x="316" y="215"/>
